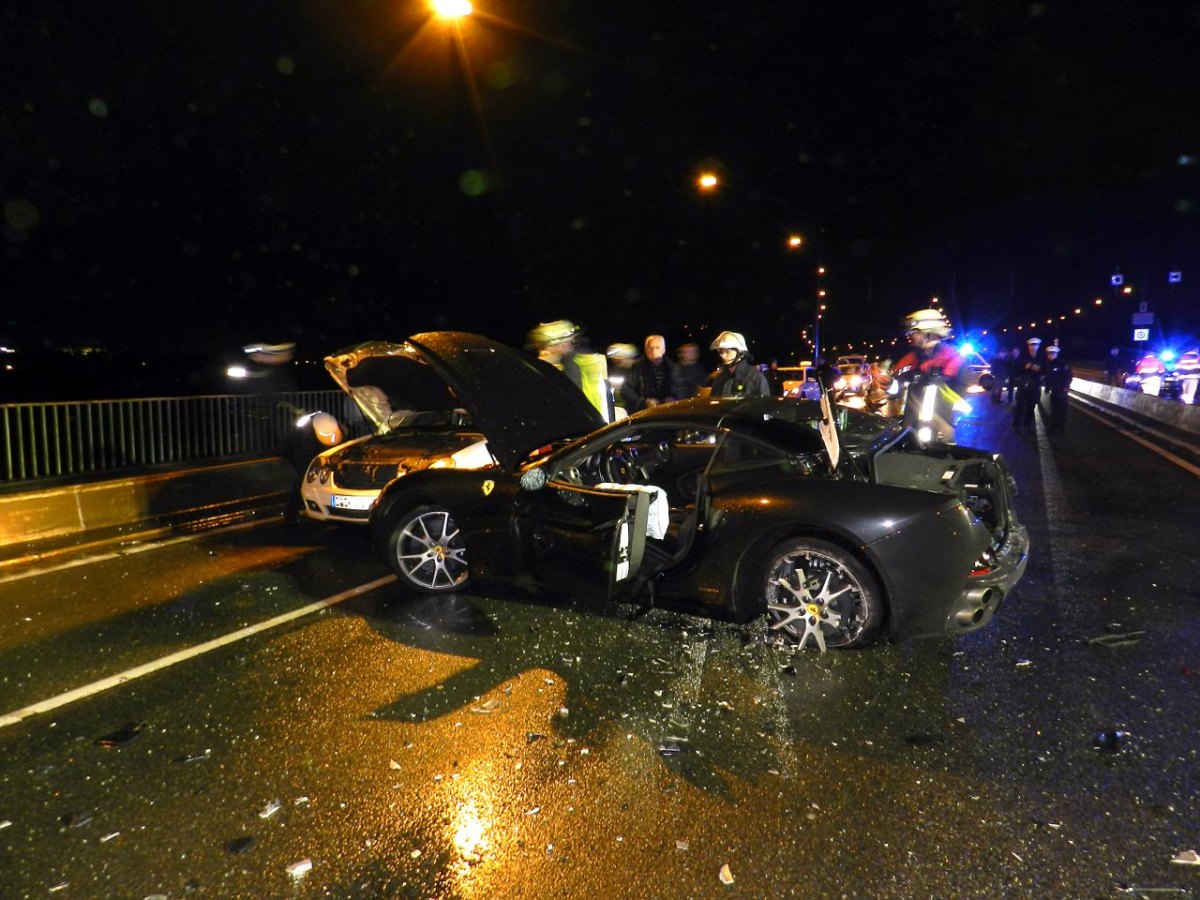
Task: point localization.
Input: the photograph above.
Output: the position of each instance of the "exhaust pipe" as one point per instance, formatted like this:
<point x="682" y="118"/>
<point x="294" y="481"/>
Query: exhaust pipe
<point x="978" y="602"/>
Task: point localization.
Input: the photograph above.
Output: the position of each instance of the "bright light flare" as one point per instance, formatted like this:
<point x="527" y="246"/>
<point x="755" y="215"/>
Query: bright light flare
<point x="794" y="241"/>
<point x="451" y="9"/>
<point x="707" y="181"/>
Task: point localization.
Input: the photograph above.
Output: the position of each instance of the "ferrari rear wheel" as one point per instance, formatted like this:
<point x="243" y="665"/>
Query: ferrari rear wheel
<point x="427" y="553"/>
<point x="816" y="591"/>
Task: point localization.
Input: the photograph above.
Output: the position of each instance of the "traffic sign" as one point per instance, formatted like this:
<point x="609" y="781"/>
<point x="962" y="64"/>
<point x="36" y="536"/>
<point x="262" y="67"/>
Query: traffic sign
<point x="1174" y="277"/>
<point x="1117" y="279"/>
<point x="1141" y="334"/>
<point x="1143" y="318"/>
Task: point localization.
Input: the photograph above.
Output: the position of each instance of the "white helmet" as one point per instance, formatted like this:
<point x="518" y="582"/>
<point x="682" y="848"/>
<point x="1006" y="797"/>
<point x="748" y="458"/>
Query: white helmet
<point x="730" y="340"/>
<point x="621" y="351"/>
<point x="928" y="321"/>
<point x="1035" y="341"/>
<point x="327" y="429"/>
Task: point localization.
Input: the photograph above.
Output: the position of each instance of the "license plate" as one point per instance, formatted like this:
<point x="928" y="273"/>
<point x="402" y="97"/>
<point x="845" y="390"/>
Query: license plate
<point x="359" y="503"/>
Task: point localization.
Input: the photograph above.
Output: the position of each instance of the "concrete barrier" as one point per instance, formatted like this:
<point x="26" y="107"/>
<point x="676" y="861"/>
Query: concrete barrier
<point x="43" y="519"/>
<point x="1170" y="412"/>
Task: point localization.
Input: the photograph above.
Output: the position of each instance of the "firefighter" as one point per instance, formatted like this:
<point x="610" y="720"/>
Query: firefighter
<point x="736" y="376"/>
<point x="932" y="369"/>
<point x="557" y="343"/>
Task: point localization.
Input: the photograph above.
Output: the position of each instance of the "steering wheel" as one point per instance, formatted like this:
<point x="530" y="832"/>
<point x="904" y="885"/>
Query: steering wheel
<point x="620" y="465"/>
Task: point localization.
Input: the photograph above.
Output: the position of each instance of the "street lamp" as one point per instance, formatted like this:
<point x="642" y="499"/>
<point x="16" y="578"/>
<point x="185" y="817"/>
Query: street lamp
<point x="451" y="9"/>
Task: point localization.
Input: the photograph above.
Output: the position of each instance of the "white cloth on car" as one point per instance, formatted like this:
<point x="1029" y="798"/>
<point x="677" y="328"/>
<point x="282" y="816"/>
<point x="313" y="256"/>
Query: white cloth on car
<point x="659" y="515"/>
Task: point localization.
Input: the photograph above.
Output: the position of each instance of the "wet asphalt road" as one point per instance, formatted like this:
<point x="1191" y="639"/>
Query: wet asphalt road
<point x="510" y="746"/>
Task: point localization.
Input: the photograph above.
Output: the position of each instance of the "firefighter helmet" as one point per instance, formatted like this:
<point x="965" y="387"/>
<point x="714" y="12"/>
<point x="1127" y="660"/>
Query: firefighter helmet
<point x="730" y="340"/>
<point x="927" y="321"/>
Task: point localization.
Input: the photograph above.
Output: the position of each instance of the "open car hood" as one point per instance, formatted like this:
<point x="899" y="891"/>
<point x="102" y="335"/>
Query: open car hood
<point x="518" y="402"/>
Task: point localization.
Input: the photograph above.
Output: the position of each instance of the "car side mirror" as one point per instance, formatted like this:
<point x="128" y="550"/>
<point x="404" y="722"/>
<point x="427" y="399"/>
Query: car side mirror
<point x="534" y="479"/>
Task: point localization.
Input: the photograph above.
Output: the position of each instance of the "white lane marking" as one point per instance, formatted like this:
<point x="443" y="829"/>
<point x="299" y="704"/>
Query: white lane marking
<point x="128" y="550"/>
<point x="1165" y="454"/>
<point x="1052" y="489"/>
<point x="129" y="675"/>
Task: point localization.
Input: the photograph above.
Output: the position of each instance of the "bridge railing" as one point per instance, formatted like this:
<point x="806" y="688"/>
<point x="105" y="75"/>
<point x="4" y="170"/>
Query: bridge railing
<point x="93" y="437"/>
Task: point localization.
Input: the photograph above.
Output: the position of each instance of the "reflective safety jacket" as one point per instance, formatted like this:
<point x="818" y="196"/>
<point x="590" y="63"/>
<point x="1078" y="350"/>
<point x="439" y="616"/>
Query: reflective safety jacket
<point x="589" y="372"/>
<point x="942" y="360"/>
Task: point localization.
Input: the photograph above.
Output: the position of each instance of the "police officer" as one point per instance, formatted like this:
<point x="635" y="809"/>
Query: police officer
<point x="1026" y="375"/>
<point x="1056" y="381"/>
<point x="736" y="376"/>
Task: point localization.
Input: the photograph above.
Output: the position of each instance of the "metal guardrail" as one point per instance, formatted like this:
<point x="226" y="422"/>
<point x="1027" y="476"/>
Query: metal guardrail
<point x="90" y="437"/>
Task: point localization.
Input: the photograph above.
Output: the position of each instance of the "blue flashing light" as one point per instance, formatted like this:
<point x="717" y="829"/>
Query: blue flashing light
<point x="1167" y="356"/>
<point x="966" y="348"/>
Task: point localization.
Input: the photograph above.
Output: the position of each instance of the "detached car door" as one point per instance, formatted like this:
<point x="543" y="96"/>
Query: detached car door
<point x="582" y="538"/>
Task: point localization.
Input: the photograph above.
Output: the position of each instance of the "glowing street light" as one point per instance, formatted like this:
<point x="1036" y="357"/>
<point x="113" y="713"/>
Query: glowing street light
<point x="707" y="181"/>
<point x="794" y="241"/>
<point x="451" y="9"/>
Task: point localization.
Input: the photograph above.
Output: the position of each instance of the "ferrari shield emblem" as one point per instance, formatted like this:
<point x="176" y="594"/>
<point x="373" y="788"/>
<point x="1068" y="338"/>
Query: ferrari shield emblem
<point x="488" y="486"/>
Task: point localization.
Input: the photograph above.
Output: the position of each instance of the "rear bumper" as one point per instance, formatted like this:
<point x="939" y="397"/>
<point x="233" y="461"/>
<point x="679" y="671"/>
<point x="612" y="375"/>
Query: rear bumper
<point x="983" y="593"/>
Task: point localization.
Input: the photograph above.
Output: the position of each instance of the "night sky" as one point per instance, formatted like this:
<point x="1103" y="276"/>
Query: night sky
<point x="199" y="175"/>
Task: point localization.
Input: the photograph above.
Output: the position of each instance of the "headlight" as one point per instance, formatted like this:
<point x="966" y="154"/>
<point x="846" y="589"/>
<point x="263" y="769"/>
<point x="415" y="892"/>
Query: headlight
<point x="446" y="462"/>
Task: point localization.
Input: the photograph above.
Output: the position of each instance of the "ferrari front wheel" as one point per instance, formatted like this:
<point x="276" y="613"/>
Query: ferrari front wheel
<point x="426" y="551"/>
<point x="816" y="591"/>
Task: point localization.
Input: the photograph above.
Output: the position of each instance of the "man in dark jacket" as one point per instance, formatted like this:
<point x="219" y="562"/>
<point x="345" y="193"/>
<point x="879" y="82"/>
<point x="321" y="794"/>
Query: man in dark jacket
<point x="737" y="376"/>
<point x="651" y="380"/>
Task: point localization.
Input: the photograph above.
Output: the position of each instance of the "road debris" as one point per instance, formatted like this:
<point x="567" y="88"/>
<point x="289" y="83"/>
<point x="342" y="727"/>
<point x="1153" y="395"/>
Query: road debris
<point x="128" y="732"/>
<point x="240" y="844"/>
<point x="726" y="875"/>
<point x="1112" y="741"/>
<point x="76" y="820"/>
<point x="1187" y="858"/>
<point x="487" y="706"/>
<point x="1116" y="639"/>
<point x="682" y="846"/>
<point x="300" y="868"/>
<point x="194" y="757"/>
<point x="270" y="809"/>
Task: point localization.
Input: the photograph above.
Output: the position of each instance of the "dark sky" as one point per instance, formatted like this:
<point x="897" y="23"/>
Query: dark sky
<point x="203" y="174"/>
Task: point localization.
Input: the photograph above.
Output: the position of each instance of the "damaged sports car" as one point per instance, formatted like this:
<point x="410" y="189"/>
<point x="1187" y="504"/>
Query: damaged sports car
<point x="416" y="423"/>
<point x="837" y="526"/>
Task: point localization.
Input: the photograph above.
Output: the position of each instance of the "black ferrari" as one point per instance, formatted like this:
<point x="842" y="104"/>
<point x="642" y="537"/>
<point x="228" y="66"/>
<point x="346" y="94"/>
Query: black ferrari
<point x="838" y="526"/>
